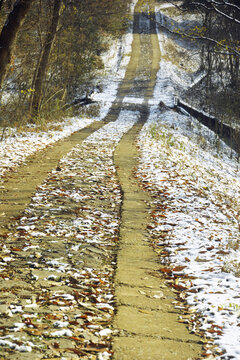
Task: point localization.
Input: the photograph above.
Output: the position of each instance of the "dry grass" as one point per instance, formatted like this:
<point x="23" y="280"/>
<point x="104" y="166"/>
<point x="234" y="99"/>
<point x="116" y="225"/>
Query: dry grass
<point x="179" y="56"/>
<point x="232" y="267"/>
<point x="172" y="11"/>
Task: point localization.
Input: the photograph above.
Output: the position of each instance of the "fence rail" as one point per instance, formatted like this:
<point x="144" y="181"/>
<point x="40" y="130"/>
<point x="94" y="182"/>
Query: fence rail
<point x="228" y="134"/>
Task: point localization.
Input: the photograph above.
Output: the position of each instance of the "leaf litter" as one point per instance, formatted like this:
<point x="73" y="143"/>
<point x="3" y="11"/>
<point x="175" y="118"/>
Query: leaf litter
<point x="57" y="268"/>
<point x="17" y="144"/>
<point x="194" y="181"/>
<point x="57" y="297"/>
<point x="195" y="224"/>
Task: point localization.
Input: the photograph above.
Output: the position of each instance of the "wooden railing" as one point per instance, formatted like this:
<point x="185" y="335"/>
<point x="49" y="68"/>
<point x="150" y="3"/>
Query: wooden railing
<point x="225" y="132"/>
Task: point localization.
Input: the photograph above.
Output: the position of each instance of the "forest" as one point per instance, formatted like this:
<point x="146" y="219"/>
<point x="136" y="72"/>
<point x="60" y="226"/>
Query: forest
<point x="50" y="52"/>
<point x="218" y="34"/>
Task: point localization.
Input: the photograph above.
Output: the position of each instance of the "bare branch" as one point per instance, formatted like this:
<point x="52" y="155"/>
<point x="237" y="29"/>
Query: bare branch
<point x="225" y="15"/>
<point x="223" y="3"/>
<point x="212" y="3"/>
<point x="199" y="38"/>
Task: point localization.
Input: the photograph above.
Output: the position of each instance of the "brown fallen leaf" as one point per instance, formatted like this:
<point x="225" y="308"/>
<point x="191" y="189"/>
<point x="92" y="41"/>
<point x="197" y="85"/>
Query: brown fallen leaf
<point x="179" y="268"/>
<point x="165" y="271"/>
<point x="75" y="338"/>
<point x="15" y="248"/>
<point x="34" y="332"/>
<point x="53" y="317"/>
<point x="198" y="259"/>
<point x="179" y="287"/>
<point x="222" y="252"/>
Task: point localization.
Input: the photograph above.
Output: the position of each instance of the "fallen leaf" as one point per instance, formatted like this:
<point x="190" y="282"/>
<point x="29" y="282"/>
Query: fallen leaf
<point x="179" y="268"/>
<point x="165" y="271"/>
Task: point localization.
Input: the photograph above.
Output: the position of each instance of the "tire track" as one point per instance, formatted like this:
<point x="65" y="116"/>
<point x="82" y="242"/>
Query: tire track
<point x="145" y="320"/>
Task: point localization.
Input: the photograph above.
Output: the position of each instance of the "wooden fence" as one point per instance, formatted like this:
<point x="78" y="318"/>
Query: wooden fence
<point x="225" y="132"/>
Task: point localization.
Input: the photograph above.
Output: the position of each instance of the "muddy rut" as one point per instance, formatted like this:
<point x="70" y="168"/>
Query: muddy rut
<point x="144" y="322"/>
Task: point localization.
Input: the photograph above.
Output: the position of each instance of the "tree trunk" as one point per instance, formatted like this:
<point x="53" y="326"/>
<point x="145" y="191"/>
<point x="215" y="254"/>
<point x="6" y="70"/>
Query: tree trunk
<point x="42" y="68"/>
<point x="1" y="4"/>
<point x="9" y="33"/>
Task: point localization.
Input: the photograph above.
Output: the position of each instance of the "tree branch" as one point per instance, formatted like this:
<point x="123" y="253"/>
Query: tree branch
<point x="199" y="38"/>
<point x="213" y="7"/>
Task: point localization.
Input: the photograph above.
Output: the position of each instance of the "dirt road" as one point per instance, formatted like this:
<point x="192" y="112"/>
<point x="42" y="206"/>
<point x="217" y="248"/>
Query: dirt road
<point x="145" y="316"/>
<point x="82" y="240"/>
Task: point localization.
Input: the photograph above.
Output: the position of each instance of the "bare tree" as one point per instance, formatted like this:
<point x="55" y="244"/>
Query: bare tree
<point x="42" y="68"/>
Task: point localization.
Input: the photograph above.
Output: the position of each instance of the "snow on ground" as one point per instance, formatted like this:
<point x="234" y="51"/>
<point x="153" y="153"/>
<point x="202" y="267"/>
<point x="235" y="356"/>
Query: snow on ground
<point x="62" y="267"/>
<point x="116" y="60"/>
<point x="180" y="59"/>
<point x="15" y="146"/>
<point x="195" y="223"/>
<point x="195" y="181"/>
